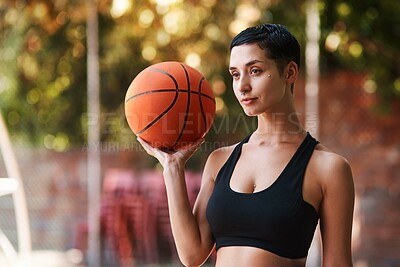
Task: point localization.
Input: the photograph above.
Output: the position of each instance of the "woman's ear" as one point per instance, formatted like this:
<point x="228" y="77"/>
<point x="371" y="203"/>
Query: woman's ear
<point x="292" y="71"/>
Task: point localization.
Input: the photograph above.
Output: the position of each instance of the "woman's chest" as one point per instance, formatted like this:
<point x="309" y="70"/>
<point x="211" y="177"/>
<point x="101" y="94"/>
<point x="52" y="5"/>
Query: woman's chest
<point x="259" y="168"/>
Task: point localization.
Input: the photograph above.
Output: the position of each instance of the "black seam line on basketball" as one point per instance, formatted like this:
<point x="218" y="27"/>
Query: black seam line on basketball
<point x="201" y="104"/>
<point x="166" y="91"/>
<point x="187" y="106"/>
<point x="168" y="108"/>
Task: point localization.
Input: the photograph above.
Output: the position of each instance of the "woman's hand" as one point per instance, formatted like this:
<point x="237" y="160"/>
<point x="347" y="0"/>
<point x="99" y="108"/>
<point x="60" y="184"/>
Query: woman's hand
<point x="165" y="157"/>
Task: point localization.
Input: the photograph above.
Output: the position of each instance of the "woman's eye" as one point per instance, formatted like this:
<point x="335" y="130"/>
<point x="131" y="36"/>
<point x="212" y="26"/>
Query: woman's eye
<point x="235" y="75"/>
<point x="255" y="71"/>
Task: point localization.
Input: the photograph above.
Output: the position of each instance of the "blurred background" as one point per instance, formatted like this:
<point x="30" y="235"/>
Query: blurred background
<point x="66" y="210"/>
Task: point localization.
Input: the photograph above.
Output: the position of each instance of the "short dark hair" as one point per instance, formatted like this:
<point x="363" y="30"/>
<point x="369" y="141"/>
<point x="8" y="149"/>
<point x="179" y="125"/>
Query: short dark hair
<point x="279" y="44"/>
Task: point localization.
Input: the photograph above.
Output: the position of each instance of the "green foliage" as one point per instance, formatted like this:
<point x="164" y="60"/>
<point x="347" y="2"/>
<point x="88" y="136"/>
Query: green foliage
<point x="368" y="34"/>
<point x="43" y="56"/>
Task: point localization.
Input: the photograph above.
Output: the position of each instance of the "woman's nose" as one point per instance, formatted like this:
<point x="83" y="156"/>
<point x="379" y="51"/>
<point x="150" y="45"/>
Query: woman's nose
<point x="244" y="85"/>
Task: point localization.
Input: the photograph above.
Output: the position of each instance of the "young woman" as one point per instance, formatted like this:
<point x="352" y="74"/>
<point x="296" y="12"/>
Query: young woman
<point x="261" y="199"/>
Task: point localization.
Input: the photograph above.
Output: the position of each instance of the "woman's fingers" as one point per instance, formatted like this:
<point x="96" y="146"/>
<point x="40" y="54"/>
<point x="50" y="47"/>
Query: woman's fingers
<point x="187" y="151"/>
<point x="183" y="153"/>
<point x="149" y="149"/>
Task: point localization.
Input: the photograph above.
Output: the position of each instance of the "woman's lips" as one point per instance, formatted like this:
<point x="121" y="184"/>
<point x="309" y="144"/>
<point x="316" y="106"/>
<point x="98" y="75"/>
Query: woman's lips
<point x="247" y="100"/>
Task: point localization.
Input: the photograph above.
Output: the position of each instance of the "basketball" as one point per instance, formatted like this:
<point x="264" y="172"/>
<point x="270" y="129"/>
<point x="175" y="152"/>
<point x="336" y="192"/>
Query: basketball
<point x="169" y="105"/>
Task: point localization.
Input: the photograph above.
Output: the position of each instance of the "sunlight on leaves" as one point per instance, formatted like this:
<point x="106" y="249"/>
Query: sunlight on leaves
<point x="120" y="7"/>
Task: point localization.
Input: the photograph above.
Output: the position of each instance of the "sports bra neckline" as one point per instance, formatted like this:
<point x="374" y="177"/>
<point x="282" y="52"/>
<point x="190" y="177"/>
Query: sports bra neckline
<point x="237" y="154"/>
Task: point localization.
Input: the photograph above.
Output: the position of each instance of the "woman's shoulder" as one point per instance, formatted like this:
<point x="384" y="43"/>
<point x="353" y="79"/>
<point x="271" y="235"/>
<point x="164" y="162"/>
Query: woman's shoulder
<point x="327" y="158"/>
<point x="329" y="166"/>
<point x="221" y="153"/>
<point x="218" y="157"/>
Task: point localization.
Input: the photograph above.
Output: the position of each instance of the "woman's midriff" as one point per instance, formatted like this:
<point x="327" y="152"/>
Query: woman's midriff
<point x="248" y="256"/>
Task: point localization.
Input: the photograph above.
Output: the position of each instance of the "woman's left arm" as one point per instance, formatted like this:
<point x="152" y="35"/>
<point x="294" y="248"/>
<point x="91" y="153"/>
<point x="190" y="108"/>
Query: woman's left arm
<point x="336" y="212"/>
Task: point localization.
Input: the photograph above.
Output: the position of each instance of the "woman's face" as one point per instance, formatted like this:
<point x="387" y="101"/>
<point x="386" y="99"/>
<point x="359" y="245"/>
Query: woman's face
<point x="257" y="83"/>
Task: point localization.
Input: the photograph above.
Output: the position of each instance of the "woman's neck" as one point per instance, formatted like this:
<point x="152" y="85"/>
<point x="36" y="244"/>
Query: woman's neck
<point x="279" y="127"/>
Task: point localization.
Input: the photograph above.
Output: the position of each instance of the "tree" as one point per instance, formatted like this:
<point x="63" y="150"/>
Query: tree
<point x="43" y="48"/>
<point x="365" y="36"/>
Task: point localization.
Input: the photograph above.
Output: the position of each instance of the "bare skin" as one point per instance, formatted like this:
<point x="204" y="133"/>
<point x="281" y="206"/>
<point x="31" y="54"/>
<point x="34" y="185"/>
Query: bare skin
<point x="328" y="185"/>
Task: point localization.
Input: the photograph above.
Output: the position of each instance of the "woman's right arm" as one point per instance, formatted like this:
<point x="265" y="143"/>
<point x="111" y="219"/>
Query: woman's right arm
<point x="192" y="234"/>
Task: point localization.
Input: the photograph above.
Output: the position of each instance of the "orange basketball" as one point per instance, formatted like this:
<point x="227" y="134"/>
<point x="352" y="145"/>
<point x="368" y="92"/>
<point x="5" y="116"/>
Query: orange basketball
<point x="169" y="105"/>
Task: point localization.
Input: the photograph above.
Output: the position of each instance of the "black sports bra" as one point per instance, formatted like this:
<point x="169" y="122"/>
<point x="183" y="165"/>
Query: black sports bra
<point x="276" y="219"/>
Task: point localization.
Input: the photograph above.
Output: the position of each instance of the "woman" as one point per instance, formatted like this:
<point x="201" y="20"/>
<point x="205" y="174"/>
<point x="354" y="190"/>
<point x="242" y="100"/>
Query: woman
<point x="260" y="200"/>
